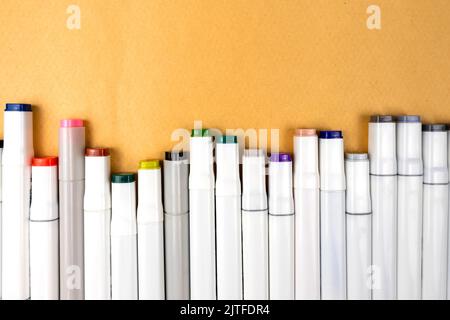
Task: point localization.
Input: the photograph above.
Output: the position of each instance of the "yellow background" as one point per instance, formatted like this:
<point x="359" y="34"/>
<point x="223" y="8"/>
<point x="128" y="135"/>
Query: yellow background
<point x="138" y="69"/>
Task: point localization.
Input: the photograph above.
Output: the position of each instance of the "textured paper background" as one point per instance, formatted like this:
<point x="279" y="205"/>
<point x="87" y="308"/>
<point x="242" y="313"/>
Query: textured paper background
<point x="138" y="69"/>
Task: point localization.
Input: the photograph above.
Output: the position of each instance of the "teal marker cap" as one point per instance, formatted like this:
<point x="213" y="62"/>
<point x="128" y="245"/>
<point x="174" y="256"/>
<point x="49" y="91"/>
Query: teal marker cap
<point x="123" y="177"/>
<point x="227" y="139"/>
<point x="197" y="133"/>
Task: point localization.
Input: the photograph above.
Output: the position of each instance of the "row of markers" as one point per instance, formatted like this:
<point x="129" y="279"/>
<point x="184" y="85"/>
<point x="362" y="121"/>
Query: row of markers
<point x="356" y="231"/>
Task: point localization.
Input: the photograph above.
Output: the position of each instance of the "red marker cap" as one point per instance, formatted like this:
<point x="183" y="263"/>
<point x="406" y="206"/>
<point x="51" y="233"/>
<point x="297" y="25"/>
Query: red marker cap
<point x="96" y="152"/>
<point x="44" y="162"/>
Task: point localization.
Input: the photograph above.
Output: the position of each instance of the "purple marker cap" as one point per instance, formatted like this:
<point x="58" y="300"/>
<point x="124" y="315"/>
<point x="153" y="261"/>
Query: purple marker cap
<point x="280" y="157"/>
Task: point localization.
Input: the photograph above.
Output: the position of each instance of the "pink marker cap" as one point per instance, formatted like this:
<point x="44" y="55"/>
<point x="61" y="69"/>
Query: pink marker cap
<point x="71" y="123"/>
<point x="305" y="132"/>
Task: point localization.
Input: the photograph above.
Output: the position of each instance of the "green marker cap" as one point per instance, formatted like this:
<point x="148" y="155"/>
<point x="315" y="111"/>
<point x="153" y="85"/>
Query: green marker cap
<point x="149" y="165"/>
<point x="123" y="177"/>
<point x="227" y="139"/>
<point x="200" y="133"/>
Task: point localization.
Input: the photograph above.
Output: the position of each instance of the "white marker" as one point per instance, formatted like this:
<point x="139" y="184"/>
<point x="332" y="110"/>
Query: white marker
<point x="281" y="228"/>
<point x="1" y="153"/>
<point x="44" y="224"/>
<point x="435" y="212"/>
<point x="255" y="240"/>
<point x="332" y="214"/>
<point x="228" y="220"/>
<point x="16" y="163"/>
<point x="359" y="227"/>
<point x="202" y="221"/>
<point x="448" y="257"/>
<point x="410" y="191"/>
<point x="71" y="194"/>
<point x="176" y="206"/>
<point x="383" y="185"/>
<point x="97" y="224"/>
<point x="124" y="269"/>
<point x="307" y="215"/>
<point x="150" y="220"/>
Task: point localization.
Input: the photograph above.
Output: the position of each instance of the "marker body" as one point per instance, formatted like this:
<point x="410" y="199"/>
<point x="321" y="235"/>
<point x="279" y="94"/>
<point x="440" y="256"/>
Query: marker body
<point x="383" y="180"/>
<point x="150" y="234"/>
<point x="307" y="216"/>
<point x="16" y="163"/>
<point x="176" y="206"/>
<point x="97" y="225"/>
<point x="202" y="220"/>
<point x="1" y="203"/>
<point x="332" y="213"/>
<point x="359" y="227"/>
<point x="281" y="228"/>
<point x="410" y="192"/>
<point x="44" y="241"/>
<point x="435" y="215"/>
<point x="71" y="194"/>
<point x="124" y="269"/>
<point x="255" y="241"/>
<point x="228" y="221"/>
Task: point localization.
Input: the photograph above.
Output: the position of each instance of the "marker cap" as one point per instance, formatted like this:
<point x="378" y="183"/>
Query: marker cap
<point x="281" y="200"/>
<point x="227" y="167"/>
<point x="97" y="152"/>
<point x="71" y="123"/>
<point x="176" y="155"/>
<point x="200" y="133"/>
<point x="44" y="162"/>
<point x="71" y="150"/>
<point x="409" y="145"/>
<point x="254" y="196"/>
<point x="176" y="183"/>
<point x="435" y="162"/>
<point x="435" y="127"/>
<point x="1" y="144"/>
<point x="123" y="177"/>
<point x="306" y="159"/>
<point x="149" y="165"/>
<point x="201" y="160"/>
<point x="331" y="134"/>
<point x="20" y="107"/>
<point x="358" y="183"/>
<point x="382" y="145"/>
<point x="332" y="175"/>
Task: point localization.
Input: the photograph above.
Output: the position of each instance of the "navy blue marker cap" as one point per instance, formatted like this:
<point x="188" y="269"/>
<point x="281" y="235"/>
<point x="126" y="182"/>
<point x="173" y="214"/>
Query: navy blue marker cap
<point x="408" y="119"/>
<point x="381" y="119"/>
<point x="21" y="107"/>
<point x="330" y="135"/>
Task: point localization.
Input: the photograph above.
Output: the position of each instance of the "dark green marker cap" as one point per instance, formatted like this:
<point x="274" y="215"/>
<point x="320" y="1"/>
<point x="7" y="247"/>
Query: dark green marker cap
<point x="123" y="177"/>
<point x="227" y="139"/>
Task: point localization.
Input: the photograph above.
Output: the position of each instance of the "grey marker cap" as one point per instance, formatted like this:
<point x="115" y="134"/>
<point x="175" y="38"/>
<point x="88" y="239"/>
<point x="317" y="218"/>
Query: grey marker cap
<point x="356" y="156"/>
<point x="382" y="118"/>
<point x="176" y="183"/>
<point x="408" y="119"/>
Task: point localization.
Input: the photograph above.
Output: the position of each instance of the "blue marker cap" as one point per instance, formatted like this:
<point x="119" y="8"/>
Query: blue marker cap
<point x="280" y="157"/>
<point x="21" y="107"/>
<point x="330" y="135"/>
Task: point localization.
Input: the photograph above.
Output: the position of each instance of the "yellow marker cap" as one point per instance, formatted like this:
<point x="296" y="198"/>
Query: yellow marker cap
<point x="149" y="164"/>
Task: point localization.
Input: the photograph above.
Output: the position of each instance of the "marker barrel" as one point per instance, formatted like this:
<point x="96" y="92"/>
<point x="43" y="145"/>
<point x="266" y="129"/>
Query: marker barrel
<point x="124" y="268"/>
<point x="176" y="206"/>
<point x="1" y="153"/>
<point x="97" y="225"/>
<point x="383" y="180"/>
<point x="255" y="241"/>
<point x="410" y="196"/>
<point x="16" y="163"/>
<point x="281" y="228"/>
<point x="71" y="194"/>
<point x="228" y="220"/>
<point x="307" y="215"/>
<point x="435" y="212"/>
<point x="44" y="240"/>
<point x="202" y="218"/>
<point x="332" y="213"/>
<point x="359" y="227"/>
<point x="150" y="219"/>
